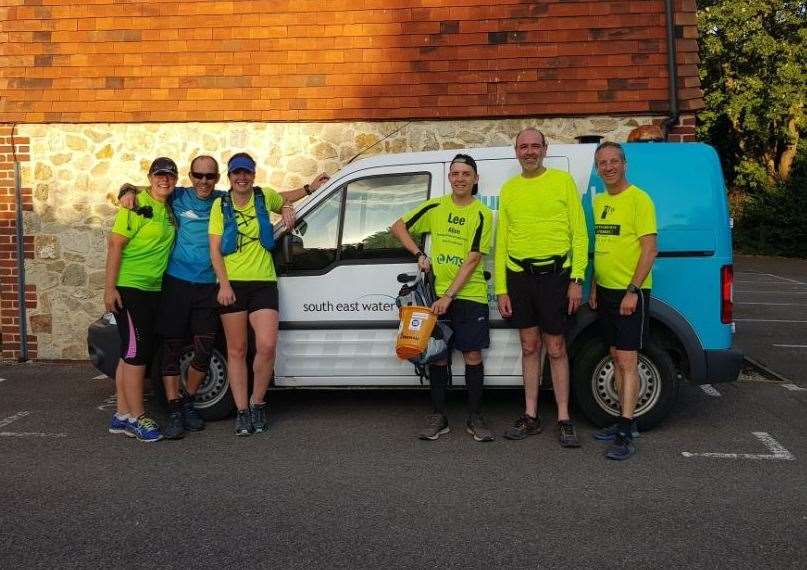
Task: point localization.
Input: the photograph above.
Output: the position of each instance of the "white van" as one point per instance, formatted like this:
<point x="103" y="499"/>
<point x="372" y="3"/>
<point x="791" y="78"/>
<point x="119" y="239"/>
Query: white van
<point x="338" y="272"/>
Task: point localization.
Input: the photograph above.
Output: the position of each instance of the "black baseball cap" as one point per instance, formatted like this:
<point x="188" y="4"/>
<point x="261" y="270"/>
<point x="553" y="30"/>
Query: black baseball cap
<point x="465" y="159"/>
<point x="163" y="165"/>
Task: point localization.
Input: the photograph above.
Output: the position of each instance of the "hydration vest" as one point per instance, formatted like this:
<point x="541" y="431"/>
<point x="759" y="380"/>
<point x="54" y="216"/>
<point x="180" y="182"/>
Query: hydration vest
<point x="230" y="235"/>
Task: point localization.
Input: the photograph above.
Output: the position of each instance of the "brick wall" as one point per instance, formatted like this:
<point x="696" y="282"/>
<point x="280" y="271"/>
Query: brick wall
<point x="310" y="60"/>
<point x="9" y="288"/>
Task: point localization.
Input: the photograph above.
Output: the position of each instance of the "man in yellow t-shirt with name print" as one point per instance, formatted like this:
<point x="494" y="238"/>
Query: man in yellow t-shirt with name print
<point x="460" y="228"/>
<point x="540" y="260"/>
<point x="624" y="251"/>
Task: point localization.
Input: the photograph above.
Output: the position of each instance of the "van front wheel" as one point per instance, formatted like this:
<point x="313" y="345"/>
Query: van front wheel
<point x="595" y="384"/>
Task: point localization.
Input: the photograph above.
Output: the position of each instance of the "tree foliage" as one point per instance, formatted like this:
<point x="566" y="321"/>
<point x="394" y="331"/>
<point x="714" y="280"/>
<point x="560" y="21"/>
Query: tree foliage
<point x="753" y="72"/>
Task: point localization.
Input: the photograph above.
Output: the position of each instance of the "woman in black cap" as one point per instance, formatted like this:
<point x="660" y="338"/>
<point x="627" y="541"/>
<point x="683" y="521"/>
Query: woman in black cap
<point x="137" y="255"/>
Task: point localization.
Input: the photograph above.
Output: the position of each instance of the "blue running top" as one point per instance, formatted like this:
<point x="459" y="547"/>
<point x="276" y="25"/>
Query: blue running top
<point x="190" y="259"/>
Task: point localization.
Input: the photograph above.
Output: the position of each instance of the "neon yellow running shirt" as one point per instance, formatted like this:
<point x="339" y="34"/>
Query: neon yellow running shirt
<point x="619" y="221"/>
<point x="456" y="231"/>
<point x="145" y="255"/>
<point x="251" y="261"/>
<point x="538" y="218"/>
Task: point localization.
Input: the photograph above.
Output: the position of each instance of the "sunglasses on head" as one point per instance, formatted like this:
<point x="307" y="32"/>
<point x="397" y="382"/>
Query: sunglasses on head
<point x="204" y="175"/>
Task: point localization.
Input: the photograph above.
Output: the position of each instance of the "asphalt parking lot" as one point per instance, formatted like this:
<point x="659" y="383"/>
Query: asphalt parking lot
<point x="770" y="296"/>
<point x="340" y="482"/>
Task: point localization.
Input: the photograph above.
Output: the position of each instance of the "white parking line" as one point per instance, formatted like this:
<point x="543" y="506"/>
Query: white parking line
<point x="793" y="387"/>
<point x="779" y="291"/>
<point x="30" y="434"/>
<point x="710" y="390"/>
<point x="755" y="274"/>
<point x="774" y="304"/>
<point x="777" y="451"/>
<point x="785" y="279"/>
<point x="11" y="419"/>
<point x="791" y="345"/>
<point x="766" y="321"/>
<point x="2" y="379"/>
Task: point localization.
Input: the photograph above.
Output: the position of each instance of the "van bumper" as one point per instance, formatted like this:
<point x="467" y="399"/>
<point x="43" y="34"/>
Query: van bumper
<point x="721" y="366"/>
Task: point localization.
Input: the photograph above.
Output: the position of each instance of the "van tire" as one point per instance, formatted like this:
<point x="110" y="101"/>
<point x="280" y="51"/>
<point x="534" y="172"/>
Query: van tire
<point x="214" y="401"/>
<point x="595" y="394"/>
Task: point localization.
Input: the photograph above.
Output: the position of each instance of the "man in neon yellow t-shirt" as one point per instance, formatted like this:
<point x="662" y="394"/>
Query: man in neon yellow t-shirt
<point x="541" y="256"/>
<point x="460" y="228"/>
<point x="624" y="251"/>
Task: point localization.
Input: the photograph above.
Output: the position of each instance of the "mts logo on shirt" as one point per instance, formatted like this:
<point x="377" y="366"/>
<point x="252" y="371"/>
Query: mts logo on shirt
<point x="449" y="259"/>
<point x="458" y="220"/>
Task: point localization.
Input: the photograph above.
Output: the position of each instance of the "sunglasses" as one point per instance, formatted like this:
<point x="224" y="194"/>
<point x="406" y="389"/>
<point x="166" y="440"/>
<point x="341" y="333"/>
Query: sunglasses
<point x="205" y="175"/>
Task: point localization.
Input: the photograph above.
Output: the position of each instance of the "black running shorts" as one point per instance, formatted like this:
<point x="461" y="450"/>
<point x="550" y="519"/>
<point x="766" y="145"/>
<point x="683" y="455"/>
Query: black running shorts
<point x="623" y="332"/>
<point x="251" y="296"/>
<point x="539" y="300"/>
<point x="187" y="308"/>
<point x="470" y="323"/>
<point x="136" y="322"/>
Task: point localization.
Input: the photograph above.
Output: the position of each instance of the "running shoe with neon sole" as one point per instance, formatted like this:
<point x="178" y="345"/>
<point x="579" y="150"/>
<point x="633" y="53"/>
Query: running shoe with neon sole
<point x="117" y="425"/>
<point x="144" y="429"/>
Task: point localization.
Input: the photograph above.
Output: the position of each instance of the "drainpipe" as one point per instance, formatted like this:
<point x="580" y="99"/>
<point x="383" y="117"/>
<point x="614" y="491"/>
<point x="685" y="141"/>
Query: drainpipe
<point x="672" y="70"/>
<point x="22" y="313"/>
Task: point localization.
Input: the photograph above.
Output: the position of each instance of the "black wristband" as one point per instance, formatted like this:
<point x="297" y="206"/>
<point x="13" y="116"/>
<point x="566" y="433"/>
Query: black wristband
<point x="307" y="189"/>
<point x="633" y="288"/>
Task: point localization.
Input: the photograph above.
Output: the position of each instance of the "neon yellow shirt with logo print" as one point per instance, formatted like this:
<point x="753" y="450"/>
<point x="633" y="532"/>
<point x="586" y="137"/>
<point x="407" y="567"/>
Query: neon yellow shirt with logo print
<point x="251" y="261"/>
<point x="619" y="221"/>
<point x="456" y="231"/>
<point x="145" y="256"/>
<point x="540" y="217"/>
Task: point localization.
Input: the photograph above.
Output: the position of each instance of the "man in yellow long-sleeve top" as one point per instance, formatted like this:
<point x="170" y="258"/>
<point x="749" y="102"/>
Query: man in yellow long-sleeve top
<point x="541" y="256"/>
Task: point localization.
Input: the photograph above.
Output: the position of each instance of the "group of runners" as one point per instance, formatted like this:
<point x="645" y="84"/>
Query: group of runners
<point x="180" y="259"/>
<point x="540" y="262"/>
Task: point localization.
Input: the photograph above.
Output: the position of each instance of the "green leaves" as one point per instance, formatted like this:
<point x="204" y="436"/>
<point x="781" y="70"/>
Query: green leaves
<point x="753" y="62"/>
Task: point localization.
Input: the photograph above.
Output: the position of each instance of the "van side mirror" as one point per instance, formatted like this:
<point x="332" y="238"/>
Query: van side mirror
<point x="285" y="248"/>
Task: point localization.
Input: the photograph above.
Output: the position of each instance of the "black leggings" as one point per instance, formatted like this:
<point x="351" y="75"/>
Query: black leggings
<point x="136" y="325"/>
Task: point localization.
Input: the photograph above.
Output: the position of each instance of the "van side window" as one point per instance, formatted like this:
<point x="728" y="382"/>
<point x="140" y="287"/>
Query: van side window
<point x="372" y="205"/>
<point x="315" y="239"/>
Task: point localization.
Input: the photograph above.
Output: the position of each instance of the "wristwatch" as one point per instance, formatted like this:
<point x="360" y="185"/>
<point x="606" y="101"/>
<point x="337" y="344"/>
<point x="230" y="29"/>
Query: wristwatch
<point x="419" y="253"/>
<point x="307" y="189"/>
<point x="633" y="288"/>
